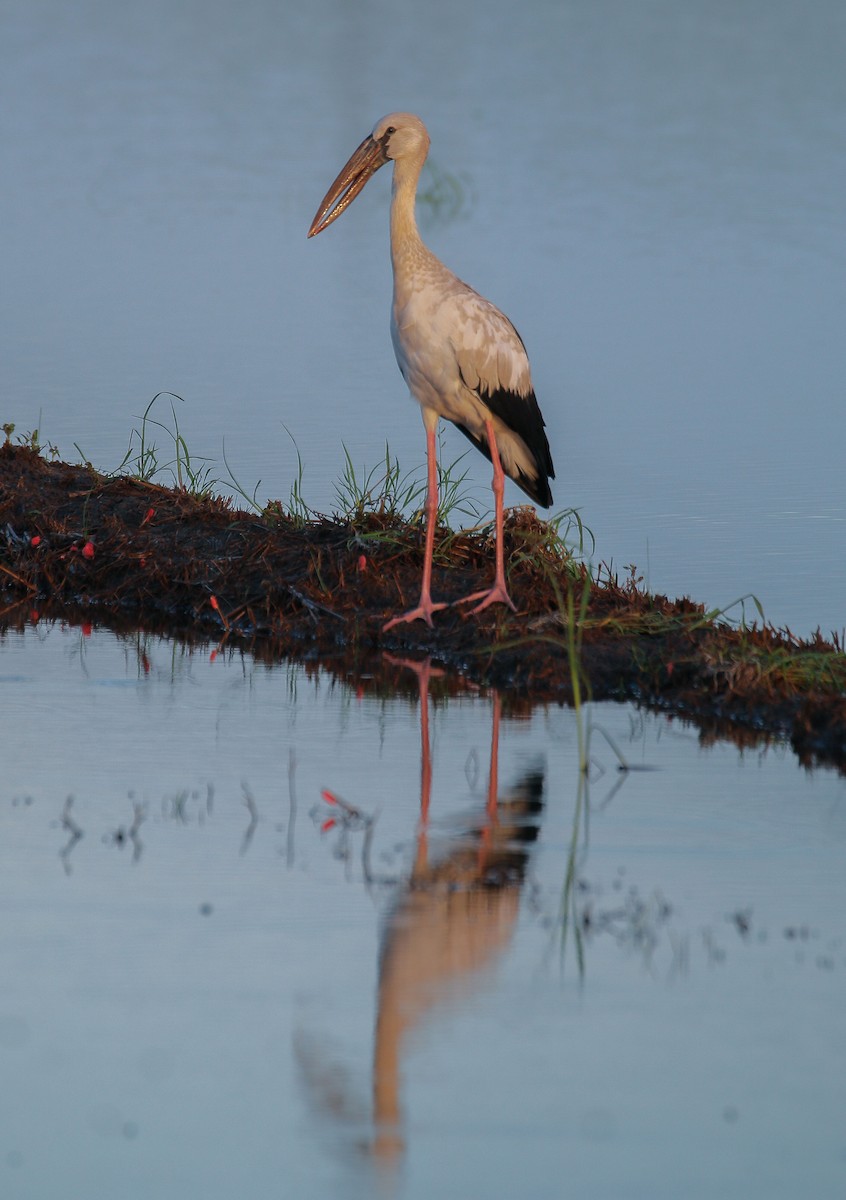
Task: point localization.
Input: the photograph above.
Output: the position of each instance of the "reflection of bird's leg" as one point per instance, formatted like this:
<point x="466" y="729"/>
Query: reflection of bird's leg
<point x="425" y="608"/>
<point x="425" y="769"/>
<point x="487" y="837"/>
<point x="493" y="783"/>
<point x="498" y="594"/>
<point x="424" y="672"/>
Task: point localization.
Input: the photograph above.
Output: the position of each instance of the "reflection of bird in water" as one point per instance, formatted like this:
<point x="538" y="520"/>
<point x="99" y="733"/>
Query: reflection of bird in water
<point x="461" y="357"/>
<point x="450" y="920"/>
<point x="455" y="916"/>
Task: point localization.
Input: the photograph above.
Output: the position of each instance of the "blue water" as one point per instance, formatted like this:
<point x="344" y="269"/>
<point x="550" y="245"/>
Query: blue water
<point x="207" y="991"/>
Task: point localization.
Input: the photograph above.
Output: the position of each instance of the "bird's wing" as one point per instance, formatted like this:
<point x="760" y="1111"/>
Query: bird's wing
<point x="488" y="349"/>
<point x="493" y="364"/>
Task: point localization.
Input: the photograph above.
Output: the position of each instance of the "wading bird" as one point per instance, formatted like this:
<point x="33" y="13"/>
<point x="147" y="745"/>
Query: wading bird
<point x="461" y="358"/>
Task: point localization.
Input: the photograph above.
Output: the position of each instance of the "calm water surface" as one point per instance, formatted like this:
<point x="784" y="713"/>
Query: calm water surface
<point x="211" y="989"/>
<point x="652" y="191"/>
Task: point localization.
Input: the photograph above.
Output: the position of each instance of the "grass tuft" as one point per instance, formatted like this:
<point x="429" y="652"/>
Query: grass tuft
<point x="144" y="460"/>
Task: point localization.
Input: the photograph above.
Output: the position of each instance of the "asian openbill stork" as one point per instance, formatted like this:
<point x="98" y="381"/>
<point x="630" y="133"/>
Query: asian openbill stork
<point x="460" y="356"/>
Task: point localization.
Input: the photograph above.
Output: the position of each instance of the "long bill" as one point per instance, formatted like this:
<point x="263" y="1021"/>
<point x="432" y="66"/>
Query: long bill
<point x="366" y="161"/>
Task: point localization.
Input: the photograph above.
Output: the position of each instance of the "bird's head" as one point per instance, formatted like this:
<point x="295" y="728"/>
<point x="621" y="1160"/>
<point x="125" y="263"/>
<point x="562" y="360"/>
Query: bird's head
<point x="403" y="136"/>
<point x="397" y="136"/>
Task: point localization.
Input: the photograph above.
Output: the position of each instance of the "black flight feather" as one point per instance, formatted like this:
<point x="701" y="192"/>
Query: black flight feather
<point x="522" y="416"/>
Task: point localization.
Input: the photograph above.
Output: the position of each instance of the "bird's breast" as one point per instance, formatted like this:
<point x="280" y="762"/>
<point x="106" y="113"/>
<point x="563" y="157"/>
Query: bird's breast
<point x="424" y="358"/>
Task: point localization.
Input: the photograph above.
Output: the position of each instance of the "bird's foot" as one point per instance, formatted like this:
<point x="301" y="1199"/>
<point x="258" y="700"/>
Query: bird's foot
<point x="423" y="612"/>
<point x="498" y="594"/>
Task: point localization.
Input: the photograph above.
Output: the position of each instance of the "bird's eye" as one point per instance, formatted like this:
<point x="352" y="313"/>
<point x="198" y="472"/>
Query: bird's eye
<point x="390" y="129"/>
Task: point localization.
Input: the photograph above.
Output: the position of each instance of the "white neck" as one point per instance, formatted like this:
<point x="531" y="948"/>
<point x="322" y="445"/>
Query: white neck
<point x="406" y="243"/>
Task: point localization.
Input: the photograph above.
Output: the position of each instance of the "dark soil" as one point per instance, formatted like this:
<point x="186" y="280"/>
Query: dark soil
<point x="78" y="545"/>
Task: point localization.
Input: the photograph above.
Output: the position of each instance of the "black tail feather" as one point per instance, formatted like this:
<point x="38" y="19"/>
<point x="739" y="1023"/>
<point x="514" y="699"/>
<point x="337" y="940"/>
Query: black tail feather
<point x="521" y="415"/>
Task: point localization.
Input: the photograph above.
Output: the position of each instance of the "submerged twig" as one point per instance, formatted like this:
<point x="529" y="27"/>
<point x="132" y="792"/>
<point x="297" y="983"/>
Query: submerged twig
<point x="75" y="831"/>
<point x="250" y="805"/>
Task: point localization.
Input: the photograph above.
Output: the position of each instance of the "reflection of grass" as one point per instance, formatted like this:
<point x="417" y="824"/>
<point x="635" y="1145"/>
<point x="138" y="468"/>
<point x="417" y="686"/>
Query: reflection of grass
<point x="633" y="921"/>
<point x="574" y="627"/>
<point x="571" y="919"/>
<point x="569" y="913"/>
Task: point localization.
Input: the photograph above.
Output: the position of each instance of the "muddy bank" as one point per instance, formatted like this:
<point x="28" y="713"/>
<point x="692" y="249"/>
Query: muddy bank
<point x="75" y="544"/>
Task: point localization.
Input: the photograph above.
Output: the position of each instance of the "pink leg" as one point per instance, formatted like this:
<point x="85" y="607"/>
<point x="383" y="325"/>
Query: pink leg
<point x="425" y="608"/>
<point x="498" y="594"/>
